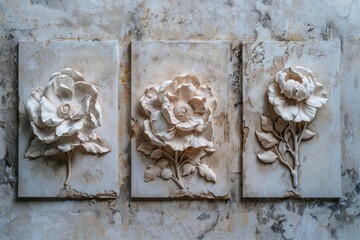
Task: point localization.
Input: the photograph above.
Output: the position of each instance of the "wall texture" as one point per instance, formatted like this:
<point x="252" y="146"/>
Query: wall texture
<point x="125" y="21"/>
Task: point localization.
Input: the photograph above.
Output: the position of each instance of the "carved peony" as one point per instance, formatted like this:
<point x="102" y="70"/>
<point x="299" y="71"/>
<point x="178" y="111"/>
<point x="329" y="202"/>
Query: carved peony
<point x="179" y="127"/>
<point x="179" y="112"/>
<point x="63" y="117"/>
<point x="296" y="94"/>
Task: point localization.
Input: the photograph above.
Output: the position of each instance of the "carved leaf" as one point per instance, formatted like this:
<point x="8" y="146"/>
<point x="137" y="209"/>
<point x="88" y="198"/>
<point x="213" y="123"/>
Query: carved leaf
<point x="37" y="149"/>
<point x="266" y="123"/>
<point x="166" y="173"/>
<point x="266" y="139"/>
<point x="308" y="134"/>
<point x="151" y="173"/>
<point x="282" y="148"/>
<point x="146" y="147"/>
<point x="156" y="154"/>
<point x="187" y="169"/>
<point x="163" y="163"/>
<point x="287" y="136"/>
<point x="267" y="157"/>
<point x="207" y="173"/>
<point x="96" y="145"/>
<point x="280" y="124"/>
<point x="193" y="153"/>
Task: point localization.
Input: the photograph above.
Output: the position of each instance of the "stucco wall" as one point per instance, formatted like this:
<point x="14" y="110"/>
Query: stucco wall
<point x="125" y="21"/>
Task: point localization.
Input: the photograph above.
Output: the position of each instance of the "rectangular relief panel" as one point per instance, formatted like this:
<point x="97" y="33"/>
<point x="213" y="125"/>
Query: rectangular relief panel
<point x="179" y="108"/>
<point x="291" y="113"/>
<point x="68" y="143"/>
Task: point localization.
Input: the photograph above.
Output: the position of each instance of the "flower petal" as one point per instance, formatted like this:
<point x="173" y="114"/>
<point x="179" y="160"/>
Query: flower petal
<point x="288" y="90"/>
<point x="294" y="74"/>
<point x="54" y="75"/>
<point x="167" y="86"/>
<point x="301" y="91"/>
<point x="319" y="96"/>
<point x="33" y="107"/>
<point x="85" y="132"/>
<point x="200" y="108"/>
<point x="150" y="134"/>
<point x="206" y="92"/>
<point x="160" y="127"/>
<point x="167" y="108"/>
<point x="201" y="113"/>
<point x="47" y="134"/>
<point x="84" y="106"/>
<point x="193" y="80"/>
<point x="68" y="127"/>
<point x="65" y="93"/>
<point x="198" y="104"/>
<point x="187" y="126"/>
<point x="305" y="72"/>
<point x="75" y="75"/>
<point x="306" y="113"/>
<point x="280" y="78"/>
<point x="51" y="95"/>
<point x="202" y="122"/>
<point x="203" y="139"/>
<point x="62" y="86"/>
<point x="185" y="91"/>
<point x="149" y="101"/>
<point x="95" y="109"/>
<point x="287" y="109"/>
<point x="273" y="92"/>
<point x="49" y="114"/>
<point x="82" y="89"/>
<point x="180" y="141"/>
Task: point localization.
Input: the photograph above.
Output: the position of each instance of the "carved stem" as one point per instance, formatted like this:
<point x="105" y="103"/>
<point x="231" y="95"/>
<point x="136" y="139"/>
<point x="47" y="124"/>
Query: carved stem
<point x="283" y="160"/>
<point x="294" y="173"/>
<point x="178" y="182"/>
<point x="302" y="132"/>
<point x="169" y="157"/>
<point x="177" y="169"/>
<point x="69" y="159"/>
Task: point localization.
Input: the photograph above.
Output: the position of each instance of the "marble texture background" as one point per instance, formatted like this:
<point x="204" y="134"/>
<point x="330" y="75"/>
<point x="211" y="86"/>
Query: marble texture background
<point x="44" y="20"/>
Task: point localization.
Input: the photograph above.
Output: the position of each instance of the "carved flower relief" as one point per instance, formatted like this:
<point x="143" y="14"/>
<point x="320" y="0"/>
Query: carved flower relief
<point x="296" y="94"/>
<point x="179" y="126"/>
<point x="64" y="115"/>
<point x="179" y="113"/>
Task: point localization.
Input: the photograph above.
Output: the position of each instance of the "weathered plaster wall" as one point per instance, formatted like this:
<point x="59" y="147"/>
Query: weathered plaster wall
<point x="44" y="20"/>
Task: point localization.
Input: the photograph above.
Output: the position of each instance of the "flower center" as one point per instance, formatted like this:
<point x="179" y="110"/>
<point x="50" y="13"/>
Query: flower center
<point x="183" y="111"/>
<point x="67" y="110"/>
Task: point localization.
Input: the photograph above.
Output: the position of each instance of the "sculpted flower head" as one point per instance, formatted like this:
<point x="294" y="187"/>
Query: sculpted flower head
<point x="64" y="115"/>
<point x="296" y="94"/>
<point x="180" y="113"/>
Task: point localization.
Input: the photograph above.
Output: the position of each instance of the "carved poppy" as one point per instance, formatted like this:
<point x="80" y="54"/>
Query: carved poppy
<point x="296" y="94"/>
<point x="179" y="113"/>
<point x="64" y="115"/>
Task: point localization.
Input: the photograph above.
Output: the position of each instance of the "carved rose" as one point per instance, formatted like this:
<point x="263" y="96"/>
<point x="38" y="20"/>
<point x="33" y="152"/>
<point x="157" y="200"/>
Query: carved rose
<point x="179" y="113"/>
<point x="64" y="116"/>
<point x="296" y="94"/>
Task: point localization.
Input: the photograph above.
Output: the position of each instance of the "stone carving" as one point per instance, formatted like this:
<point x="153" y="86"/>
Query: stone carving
<point x="295" y="95"/>
<point x="63" y="117"/>
<point x="179" y="129"/>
